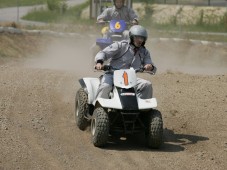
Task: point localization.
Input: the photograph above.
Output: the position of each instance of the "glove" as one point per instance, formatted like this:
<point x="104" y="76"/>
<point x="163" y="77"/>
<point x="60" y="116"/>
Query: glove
<point x="135" y="22"/>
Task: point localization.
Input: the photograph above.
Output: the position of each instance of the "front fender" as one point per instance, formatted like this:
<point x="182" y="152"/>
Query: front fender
<point x="90" y="85"/>
<point x="113" y="103"/>
<point x="147" y="103"/>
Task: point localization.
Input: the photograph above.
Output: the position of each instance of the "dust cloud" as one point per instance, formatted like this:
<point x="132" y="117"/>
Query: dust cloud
<point x="189" y="58"/>
<point x="66" y="54"/>
<point x="74" y="54"/>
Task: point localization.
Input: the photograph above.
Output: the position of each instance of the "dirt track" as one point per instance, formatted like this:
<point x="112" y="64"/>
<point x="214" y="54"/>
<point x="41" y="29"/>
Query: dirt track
<point x="38" y="130"/>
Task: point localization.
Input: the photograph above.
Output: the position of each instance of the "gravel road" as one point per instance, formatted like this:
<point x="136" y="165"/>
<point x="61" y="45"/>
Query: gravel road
<point x="38" y="129"/>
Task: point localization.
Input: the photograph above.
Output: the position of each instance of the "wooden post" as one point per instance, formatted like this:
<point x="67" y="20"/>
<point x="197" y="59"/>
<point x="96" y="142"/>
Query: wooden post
<point x="18" y="10"/>
<point x="208" y="2"/>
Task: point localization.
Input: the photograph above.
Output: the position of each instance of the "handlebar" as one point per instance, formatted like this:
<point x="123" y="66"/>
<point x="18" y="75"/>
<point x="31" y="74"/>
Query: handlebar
<point x="102" y="22"/>
<point x="112" y="69"/>
<point x="107" y="68"/>
<point x="105" y="22"/>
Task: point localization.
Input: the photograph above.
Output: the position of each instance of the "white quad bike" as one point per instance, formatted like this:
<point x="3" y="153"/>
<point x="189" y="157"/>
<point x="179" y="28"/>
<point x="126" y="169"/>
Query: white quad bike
<point x="123" y="113"/>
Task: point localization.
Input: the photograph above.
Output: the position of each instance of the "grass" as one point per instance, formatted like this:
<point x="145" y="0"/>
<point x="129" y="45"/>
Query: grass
<point x="217" y="28"/>
<point x="180" y="2"/>
<point x="71" y="15"/>
<point x="203" y="36"/>
<point x="14" y="3"/>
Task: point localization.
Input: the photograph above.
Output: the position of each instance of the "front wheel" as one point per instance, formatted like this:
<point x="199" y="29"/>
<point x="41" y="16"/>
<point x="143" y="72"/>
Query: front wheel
<point x="100" y="127"/>
<point x="81" y="108"/>
<point x="154" y="132"/>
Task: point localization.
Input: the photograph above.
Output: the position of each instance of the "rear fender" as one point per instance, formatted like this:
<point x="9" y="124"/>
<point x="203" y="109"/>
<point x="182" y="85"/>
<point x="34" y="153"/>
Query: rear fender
<point x="103" y="42"/>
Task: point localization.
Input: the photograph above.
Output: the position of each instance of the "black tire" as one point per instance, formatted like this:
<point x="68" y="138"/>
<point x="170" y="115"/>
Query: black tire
<point x="100" y="127"/>
<point x="154" y="133"/>
<point x="81" y="108"/>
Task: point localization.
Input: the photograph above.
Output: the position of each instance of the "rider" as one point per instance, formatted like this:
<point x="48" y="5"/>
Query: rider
<point x="119" y="12"/>
<point x="123" y="55"/>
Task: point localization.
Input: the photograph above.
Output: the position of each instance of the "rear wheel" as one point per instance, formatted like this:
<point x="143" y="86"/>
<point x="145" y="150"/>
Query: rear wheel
<point x="154" y="132"/>
<point x="81" y="108"/>
<point x="100" y="127"/>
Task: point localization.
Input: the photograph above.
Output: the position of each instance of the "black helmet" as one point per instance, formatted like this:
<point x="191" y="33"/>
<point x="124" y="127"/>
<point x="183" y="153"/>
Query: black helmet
<point x="138" y="30"/>
<point x="114" y="2"/>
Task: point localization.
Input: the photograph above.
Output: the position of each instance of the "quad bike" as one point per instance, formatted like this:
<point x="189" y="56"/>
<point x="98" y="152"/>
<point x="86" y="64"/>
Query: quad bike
<point x="123" y="113"/>
<point x="112" y="33"/>
<point x="115" y="31"/>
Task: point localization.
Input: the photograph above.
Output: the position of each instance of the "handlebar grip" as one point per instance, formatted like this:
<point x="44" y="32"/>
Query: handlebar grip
<point x="140" y="70"/>
<point x="107" y="67"/>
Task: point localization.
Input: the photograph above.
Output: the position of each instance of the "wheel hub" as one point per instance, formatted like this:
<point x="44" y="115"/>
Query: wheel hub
<point x="93" y="126"/>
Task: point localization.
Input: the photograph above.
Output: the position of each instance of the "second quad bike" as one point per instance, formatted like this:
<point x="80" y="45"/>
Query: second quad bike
<point x="116" y="30"/>
<point x="112" y="33"/>
<point x="122" y="113"/>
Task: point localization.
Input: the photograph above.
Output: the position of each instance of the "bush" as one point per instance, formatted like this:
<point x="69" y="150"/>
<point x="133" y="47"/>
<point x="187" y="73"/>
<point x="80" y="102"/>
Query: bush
<point x="57" y="5"/>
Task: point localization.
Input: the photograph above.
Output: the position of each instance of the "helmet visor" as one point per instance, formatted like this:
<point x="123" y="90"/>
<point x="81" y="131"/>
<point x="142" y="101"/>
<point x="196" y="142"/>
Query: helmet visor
<point x="141" y="38"/>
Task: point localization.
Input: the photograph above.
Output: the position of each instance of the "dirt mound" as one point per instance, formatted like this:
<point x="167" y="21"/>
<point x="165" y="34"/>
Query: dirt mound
<point x="38" y="130"/>
<point x="20" y="45"/>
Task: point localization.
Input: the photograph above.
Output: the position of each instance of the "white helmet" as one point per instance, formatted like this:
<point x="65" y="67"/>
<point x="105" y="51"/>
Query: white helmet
<point x="138" y="30"/>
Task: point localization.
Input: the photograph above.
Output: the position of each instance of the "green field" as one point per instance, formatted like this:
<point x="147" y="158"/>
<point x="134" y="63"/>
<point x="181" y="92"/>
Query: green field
<point x="55" y="14"/>
<point x="13" y="3"/>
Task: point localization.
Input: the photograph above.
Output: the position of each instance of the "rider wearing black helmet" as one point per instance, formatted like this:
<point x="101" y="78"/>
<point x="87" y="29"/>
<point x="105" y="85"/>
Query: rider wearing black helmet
<point x="119" y="12"/>
<point x="119" y="3"/>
